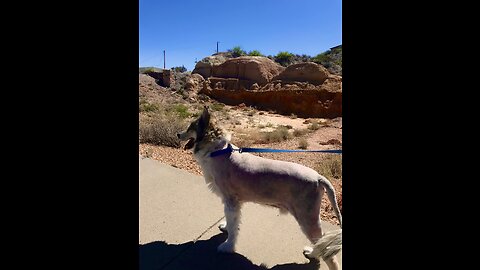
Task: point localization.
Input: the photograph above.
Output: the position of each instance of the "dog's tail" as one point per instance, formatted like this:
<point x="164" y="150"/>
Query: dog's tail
<point x="327" y="246"/>
<point x="331" y="197"/>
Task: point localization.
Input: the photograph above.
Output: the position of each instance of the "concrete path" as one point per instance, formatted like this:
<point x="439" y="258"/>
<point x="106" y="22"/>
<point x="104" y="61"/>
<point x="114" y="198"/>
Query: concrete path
<point x="178" y="227"/>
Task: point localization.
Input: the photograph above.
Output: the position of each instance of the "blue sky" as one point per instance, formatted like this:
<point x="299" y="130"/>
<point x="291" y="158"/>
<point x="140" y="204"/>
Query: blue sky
<point x="189" y="29"/>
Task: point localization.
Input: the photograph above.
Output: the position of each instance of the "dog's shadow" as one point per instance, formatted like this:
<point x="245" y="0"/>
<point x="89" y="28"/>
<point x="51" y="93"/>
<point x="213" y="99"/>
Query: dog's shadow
<point x="203" y="254"/>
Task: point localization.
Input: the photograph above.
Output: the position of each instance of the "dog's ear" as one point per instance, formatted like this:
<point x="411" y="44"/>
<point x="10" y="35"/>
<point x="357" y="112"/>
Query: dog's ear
<point x="205" y="118"/>
<point x="203" y="122"/>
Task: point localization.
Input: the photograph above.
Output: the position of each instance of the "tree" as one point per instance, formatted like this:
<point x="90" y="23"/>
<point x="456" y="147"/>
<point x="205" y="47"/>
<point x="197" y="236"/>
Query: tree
<point x="179" y="69"/>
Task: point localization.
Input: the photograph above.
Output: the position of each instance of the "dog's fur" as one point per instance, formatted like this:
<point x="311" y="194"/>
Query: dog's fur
<point x="242" y="177"/>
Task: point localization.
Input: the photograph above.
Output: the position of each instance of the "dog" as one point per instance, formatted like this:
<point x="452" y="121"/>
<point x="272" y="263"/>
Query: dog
<point x="241" y="177"/>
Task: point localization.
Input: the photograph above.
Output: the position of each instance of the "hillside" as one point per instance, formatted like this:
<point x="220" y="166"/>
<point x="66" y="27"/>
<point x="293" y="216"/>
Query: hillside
<point x="331" y="59"/>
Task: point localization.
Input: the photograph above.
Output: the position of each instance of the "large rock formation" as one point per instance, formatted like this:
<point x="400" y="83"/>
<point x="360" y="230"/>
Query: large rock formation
<point x="301" y="98"/>
<point x="255" y="69"/>
<point x="204" y="66"/>
<point x="194" y="83"/>
<point x="304" y="72"/>
<point x="305" y="89"/>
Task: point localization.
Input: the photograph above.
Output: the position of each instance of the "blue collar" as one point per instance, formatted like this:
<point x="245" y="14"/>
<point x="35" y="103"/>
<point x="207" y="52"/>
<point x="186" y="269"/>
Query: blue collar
<point x="227" y="150"/>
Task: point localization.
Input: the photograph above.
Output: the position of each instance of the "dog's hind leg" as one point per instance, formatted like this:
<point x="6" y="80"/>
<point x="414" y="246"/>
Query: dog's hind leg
<point x="232" y="215"/>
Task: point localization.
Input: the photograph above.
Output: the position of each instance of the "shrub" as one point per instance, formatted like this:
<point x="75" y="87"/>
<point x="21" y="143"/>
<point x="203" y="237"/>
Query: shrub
<point x="331" y="166"/>
<point x="180" y="110"/>
<point x="160" y="130"/>
<point x="278" y="135"/>
<point x="300" y="132"/>
<point x="237" y="51"/>
<point x="287" y="126"/>
<point x="255" y="53"/>
<point x="147" y="107"/>
<point x="180" y="69"/>
<point x="284" y="58"/>
<point x="303" y="144"/>
<point x="321" y="58"/>
<point x="217" y="106"/>
<point x="314" y="126"/>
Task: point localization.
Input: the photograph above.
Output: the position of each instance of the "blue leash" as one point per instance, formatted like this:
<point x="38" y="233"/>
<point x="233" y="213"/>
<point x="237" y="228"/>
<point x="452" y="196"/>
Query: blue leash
<point x="230" y="149"/>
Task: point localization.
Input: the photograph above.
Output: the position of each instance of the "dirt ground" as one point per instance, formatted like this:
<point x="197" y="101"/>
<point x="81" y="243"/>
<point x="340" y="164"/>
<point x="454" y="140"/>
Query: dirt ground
<point x="245" y="122"/>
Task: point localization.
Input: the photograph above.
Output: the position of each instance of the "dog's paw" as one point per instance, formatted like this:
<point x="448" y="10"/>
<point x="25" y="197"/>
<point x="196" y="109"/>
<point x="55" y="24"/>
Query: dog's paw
<point x="226" y="247"/>
<point x="307" y="252"/>
<point x="223" y="226"/>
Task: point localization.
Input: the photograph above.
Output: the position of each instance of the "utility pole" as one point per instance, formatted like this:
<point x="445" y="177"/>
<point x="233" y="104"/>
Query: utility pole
<point x="163" y="59"/>
<point x="217" y="46"/>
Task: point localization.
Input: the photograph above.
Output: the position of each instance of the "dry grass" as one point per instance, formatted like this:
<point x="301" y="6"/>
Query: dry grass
<point x="278" y="135"/>
<point x="245" y="138"/>
<point x="300" y="132"/>
<point x="314" y="126"/>
<point x="303" y="144"/>
<point x="331" y="166"/>
<point x="146" y="107"/>
<point x="217" y="106"/>
<point x="160" y="129"/>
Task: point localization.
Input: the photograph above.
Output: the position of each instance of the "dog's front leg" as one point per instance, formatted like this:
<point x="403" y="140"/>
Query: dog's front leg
<point x="232" y="215"/>
<point x="223" y="226"/>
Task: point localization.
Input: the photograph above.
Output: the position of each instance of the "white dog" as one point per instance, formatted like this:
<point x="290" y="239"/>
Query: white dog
<point x="242" y="177"/>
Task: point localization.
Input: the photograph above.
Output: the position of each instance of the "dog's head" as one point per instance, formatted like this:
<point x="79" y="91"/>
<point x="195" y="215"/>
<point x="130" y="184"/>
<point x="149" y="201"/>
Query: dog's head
<point x="197" y="129"/>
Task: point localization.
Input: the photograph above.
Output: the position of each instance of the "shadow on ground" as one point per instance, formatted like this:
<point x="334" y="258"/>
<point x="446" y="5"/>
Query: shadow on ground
<point x="203" y="255"/>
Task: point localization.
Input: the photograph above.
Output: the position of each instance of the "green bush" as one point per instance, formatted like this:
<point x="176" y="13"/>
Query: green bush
<point x="237" y="51"/>
<point x="182" y="110"/>
<point x="321" y="58"/>
<point x="255" y="53"/>
<point x="217" y="106"/>
<point x="179" y="110"/>
<point x="147" y="107"/>
<point x="180" y="69"/>
<point x="284" y="58"/>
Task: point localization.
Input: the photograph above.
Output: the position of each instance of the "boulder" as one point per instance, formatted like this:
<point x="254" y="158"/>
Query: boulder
<point x="194" y="83"/>
<point x="255" y="69"/>
<point x="204" y="66"/>
<point x="304" y="72"/>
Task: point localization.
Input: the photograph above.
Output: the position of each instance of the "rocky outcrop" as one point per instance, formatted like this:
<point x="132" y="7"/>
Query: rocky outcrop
<point x="163" y="77"/>
<point x="204" y="66"/>
<point x="255" y="69"/>
<point x="301" y="98"/>
<point x="304" y="72"/>
<point x="194" y="83"/>
<point x="305" y="89"/>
